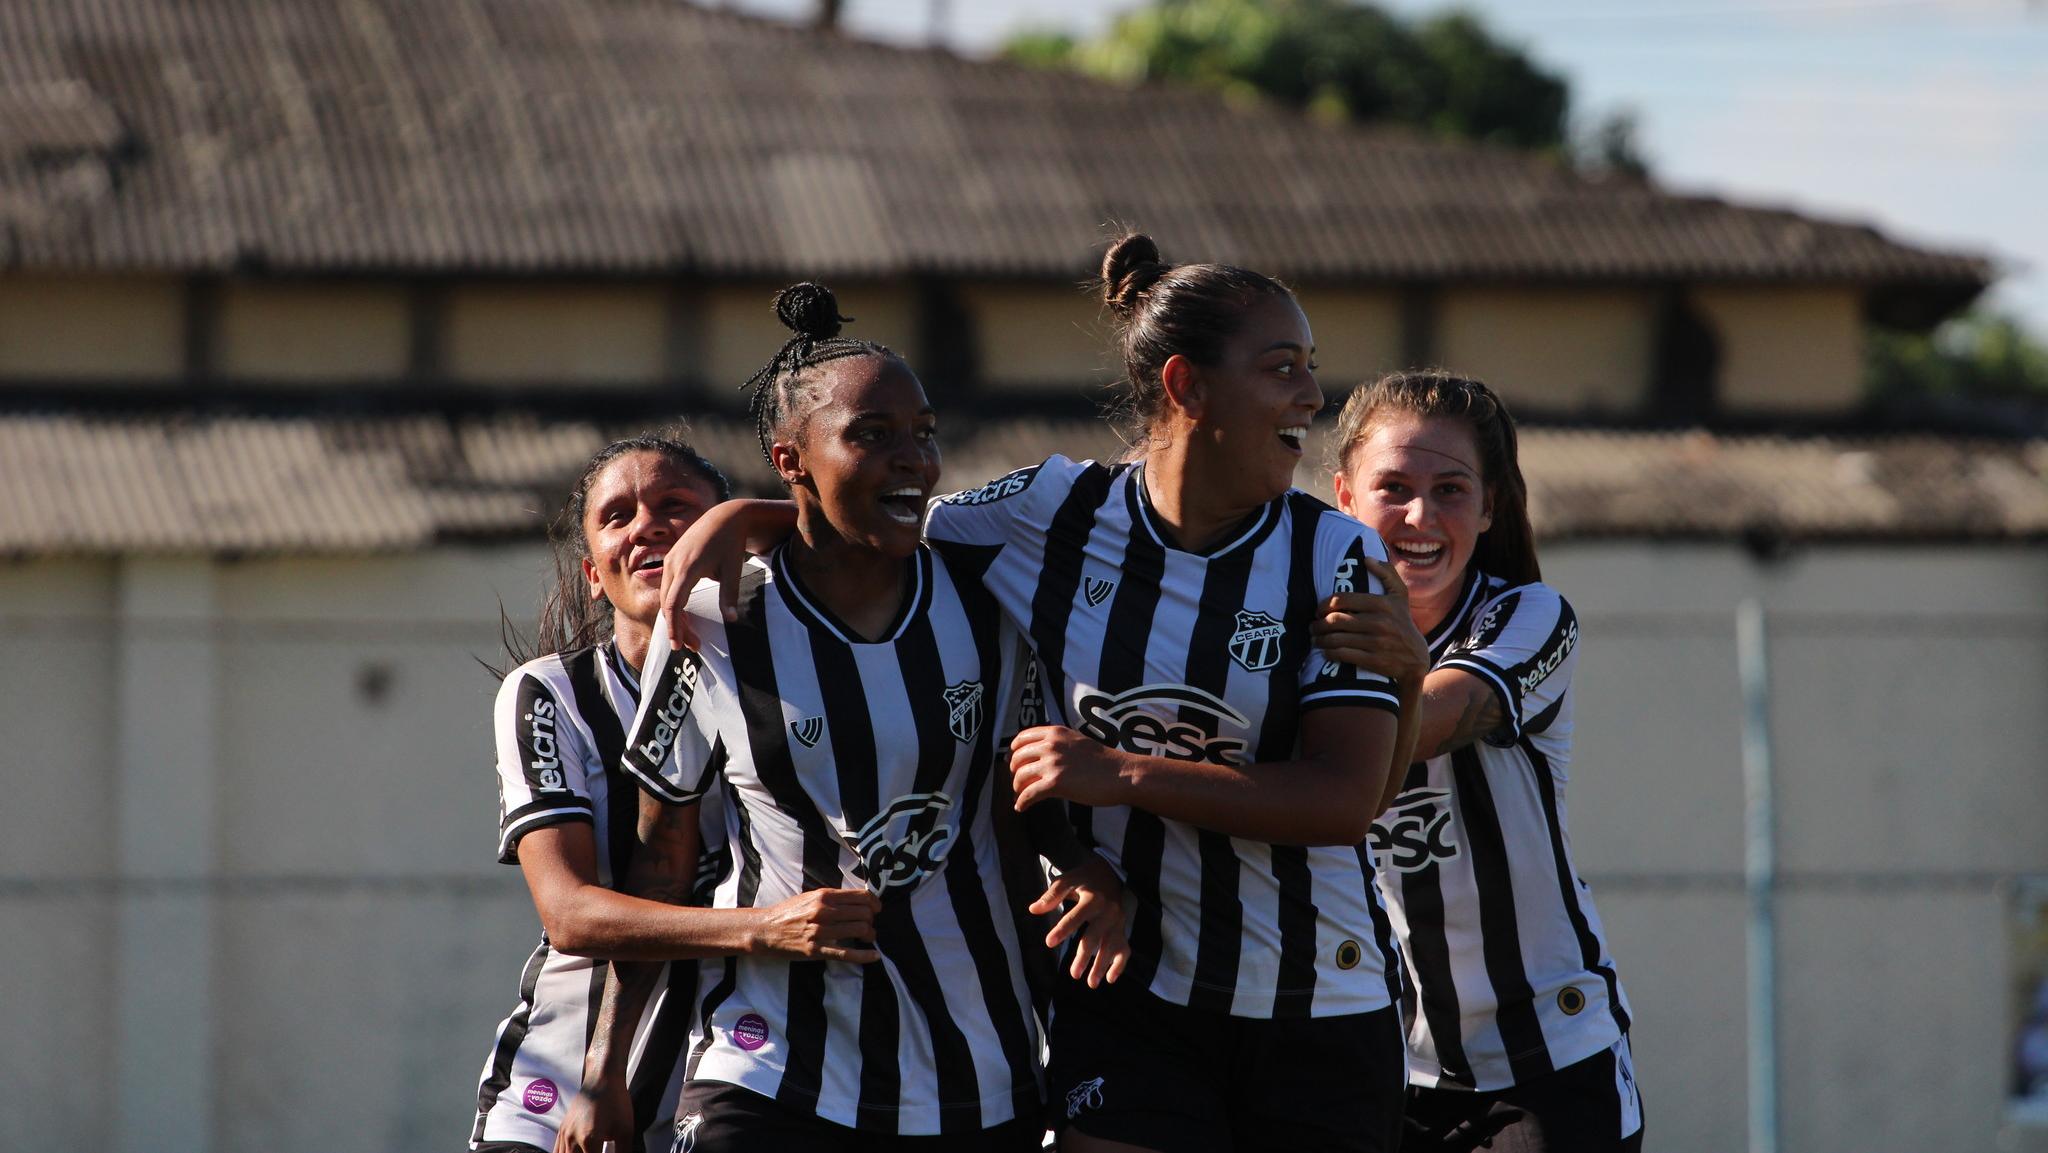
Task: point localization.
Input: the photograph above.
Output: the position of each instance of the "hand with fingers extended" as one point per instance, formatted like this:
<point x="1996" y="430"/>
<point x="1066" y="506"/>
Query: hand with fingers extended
<point x="1374" y="631"/>
<point x="1094" y="900"/>
<point x="599" y="1113"/>
<point x="1055" y="761"/>
<point x="716" y="548"/>
<point x="820" y="924"/>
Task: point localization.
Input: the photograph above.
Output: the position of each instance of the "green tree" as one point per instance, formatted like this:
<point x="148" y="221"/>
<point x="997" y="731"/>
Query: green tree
<point x="1979" y="355"/>
<point x="1342" y="60"/>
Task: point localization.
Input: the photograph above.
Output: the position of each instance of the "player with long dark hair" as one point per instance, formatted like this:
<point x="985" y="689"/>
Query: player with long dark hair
<point x="1517" y="1024"/>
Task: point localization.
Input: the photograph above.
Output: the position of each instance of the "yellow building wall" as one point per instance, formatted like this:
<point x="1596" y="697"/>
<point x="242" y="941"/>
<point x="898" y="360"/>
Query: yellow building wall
<point x="735" y="330"/>
<point x="1040" y="337"/>
<point x="1358" y="334"/>
<point x="311" y="332"/>
<point x="129" y="328"/>
<point x="567" y="334"/>
<point x="1557" y="349"/>
<point x="1791" y="349"/>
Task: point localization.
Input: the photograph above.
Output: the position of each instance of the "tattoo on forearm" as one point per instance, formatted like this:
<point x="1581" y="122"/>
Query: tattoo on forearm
<point x="1480" y="715"/>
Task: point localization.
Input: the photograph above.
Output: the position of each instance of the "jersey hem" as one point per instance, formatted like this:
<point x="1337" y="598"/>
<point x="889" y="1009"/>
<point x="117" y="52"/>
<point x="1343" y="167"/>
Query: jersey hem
<point x="768" y="1083"/>
<point x="1562" y="1057"/>
<point x="508" y="841"/>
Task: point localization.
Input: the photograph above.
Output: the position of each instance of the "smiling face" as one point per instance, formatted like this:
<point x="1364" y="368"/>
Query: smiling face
<point x="637" y="506"/>
<point x="1249" y="412"/>
<point x="1417" y="481"/>
<point x="863" y="456"/>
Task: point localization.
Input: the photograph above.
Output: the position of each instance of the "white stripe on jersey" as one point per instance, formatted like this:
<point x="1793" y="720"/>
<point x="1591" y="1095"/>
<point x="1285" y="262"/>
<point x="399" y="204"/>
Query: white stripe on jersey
<point x="560" y="728"/>
<point x="850" y="763"/>
<point x="1475" y="851"/>
<point x="1158" y="650"/>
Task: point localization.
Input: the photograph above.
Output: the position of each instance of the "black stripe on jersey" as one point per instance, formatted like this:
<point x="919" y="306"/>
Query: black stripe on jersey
<point x="1567" y="885"/>
<point x="537" y="734"/>
<point x="964" y="883"/>
<point x="621" y="798"/>
<point x="1278" y="734"/>
<point x="1500" y="936"/>
<point x="664" y="1047"/>
<point x="1066" y="541"/>
<point x="1122" y="667"/>
<point x="712" y="1000"/>
<point x="1221" y="932"/>
<point x="761" y="708"/>
<point x="500" y="1076"/>
<point x="1422" y="898"/>
<point x="1453" y="625"/>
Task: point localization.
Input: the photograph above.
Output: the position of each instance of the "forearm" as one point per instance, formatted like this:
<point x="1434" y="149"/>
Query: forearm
<point x="627" y="986"/>
<point x="598" y="922"/>
<point x="766" y="523"/>
<point x="1457" y="710"/>
<point x="1317" y="801"/>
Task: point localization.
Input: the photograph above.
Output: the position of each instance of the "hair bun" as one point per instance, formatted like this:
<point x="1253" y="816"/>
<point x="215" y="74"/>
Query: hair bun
<point x="809" y="309"/>
<point x="1131" y="266"/>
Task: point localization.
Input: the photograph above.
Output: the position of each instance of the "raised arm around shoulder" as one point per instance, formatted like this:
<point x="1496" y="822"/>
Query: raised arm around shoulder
<point x="1458" y="709"/>
<point x="716" y="548"/>
<point x="1327" y="795"/>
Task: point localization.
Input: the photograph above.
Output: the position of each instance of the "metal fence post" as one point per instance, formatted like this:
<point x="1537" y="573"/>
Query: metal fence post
<point x="1759" y="873"/>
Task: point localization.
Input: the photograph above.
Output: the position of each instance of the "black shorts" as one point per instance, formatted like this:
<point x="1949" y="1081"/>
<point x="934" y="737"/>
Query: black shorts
<point x="719" y="1118"/>
<point x="1590" y="1106"/>
<point x="1128" y="1066"/>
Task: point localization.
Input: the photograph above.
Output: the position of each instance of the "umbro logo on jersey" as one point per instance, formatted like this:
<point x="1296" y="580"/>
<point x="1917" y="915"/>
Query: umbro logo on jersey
<point x="1096" y="590"/>
<point x="905" y="843"/>
<point x="1256" y="643"/>
<point x="963" y="710"/>
<point x="1416" y="832"/>
<point x="808" y="731"/>
<point x="1180" y="722"/>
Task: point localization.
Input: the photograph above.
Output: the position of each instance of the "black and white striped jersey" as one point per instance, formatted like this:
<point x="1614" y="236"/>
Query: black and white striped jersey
<point x="1509" y="974"/>
<point x="560" y="726"/>
<point x="1156" y="650"/>
<point x="851" y="763"/>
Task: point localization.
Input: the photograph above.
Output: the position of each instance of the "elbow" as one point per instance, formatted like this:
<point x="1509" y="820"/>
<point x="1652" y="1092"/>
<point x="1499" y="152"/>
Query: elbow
<point x="575" y="932"/>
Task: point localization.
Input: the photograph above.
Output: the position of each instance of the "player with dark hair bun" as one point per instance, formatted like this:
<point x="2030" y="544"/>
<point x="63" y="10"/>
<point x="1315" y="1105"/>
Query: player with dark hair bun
<point x="855" y="707"/>
<point x="1199" y="740"/>
<point x="1517" y="1023"/>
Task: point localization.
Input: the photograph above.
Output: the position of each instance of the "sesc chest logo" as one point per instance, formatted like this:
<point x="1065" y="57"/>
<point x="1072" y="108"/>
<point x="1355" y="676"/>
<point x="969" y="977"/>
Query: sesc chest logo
<point x="1416" y="833"/>
<point x="905" y="843"/>
<point x="1180" y="722"/>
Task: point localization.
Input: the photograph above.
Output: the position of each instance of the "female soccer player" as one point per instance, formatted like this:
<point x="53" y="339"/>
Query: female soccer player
<point x="1517" y="1026"/>
<point x="566" y="810"/>
<point x="1225" y="766"/>
<point x="855" y="706"/>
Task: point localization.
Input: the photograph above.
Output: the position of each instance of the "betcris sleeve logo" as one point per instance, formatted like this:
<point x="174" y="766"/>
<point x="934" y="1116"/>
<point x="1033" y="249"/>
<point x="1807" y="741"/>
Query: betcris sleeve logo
<point x="1178" y="722"/>
<point x="539" y="734"/>
<point x="656" y="733"/>
<point x="1001" y="488"/>
<point x="1349" y="577"/>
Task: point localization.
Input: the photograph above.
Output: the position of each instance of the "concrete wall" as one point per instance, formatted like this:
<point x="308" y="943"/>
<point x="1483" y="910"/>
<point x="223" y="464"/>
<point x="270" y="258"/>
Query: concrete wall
<point x="281" y="331"/>
<point x="732" y="331"/>
<point x="556" y="334"/>
<point x="1558" y="349"/>
<point x="1358" y="334"/>
<point x="249" y="842"/>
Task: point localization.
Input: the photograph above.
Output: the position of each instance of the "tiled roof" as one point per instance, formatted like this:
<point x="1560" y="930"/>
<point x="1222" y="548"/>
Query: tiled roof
<point x="71" y="485"/>
<point x="651" y="136"/>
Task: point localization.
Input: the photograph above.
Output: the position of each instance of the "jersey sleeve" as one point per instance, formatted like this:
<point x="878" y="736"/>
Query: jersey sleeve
<point x="1341" y="546"/>
<point x="991" y="516"/>
<point x="673" y="749"/>
<point x="541" y="762"/>
<point x="1525" y="644"/>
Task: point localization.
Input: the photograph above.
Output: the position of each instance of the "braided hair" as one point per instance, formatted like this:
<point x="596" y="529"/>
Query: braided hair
<point x="811" y="312"/>
<point x="1508" y="548"/>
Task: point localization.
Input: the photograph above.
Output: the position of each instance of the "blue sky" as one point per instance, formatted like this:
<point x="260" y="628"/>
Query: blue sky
<point x="1926" y="118"/>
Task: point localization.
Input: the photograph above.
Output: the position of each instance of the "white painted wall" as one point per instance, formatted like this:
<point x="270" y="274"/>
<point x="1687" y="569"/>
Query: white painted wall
<point x="359" y="943"/>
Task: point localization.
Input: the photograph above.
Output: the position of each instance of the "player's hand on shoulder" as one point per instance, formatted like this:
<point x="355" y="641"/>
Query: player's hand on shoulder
<point x="1055" y="761"/>
<point x="821" y="924"/>
<point x="714" y="548"/>
<point x="597" y="1113"/>
<point x="1094" y="900"/>
<point x="1374" y="630"/>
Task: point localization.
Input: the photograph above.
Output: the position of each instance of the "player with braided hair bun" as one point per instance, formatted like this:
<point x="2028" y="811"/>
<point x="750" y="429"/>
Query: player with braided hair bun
<point x="854" y="710"/>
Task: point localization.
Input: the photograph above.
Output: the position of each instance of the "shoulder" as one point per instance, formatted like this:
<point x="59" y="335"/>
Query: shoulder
<point x="1534" y="601"/>
<point x="547" y="675"/>
<point x="1341" y="540"/>
<point x="1054" y="475"/>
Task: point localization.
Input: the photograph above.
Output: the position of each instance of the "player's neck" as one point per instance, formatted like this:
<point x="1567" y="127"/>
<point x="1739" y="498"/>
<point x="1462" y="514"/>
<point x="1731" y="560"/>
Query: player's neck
<point x="861" y="586"/>
<point x="1430" y="611"/>
<point x="632" y="637"/>
<point x="1197" y="514"/>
